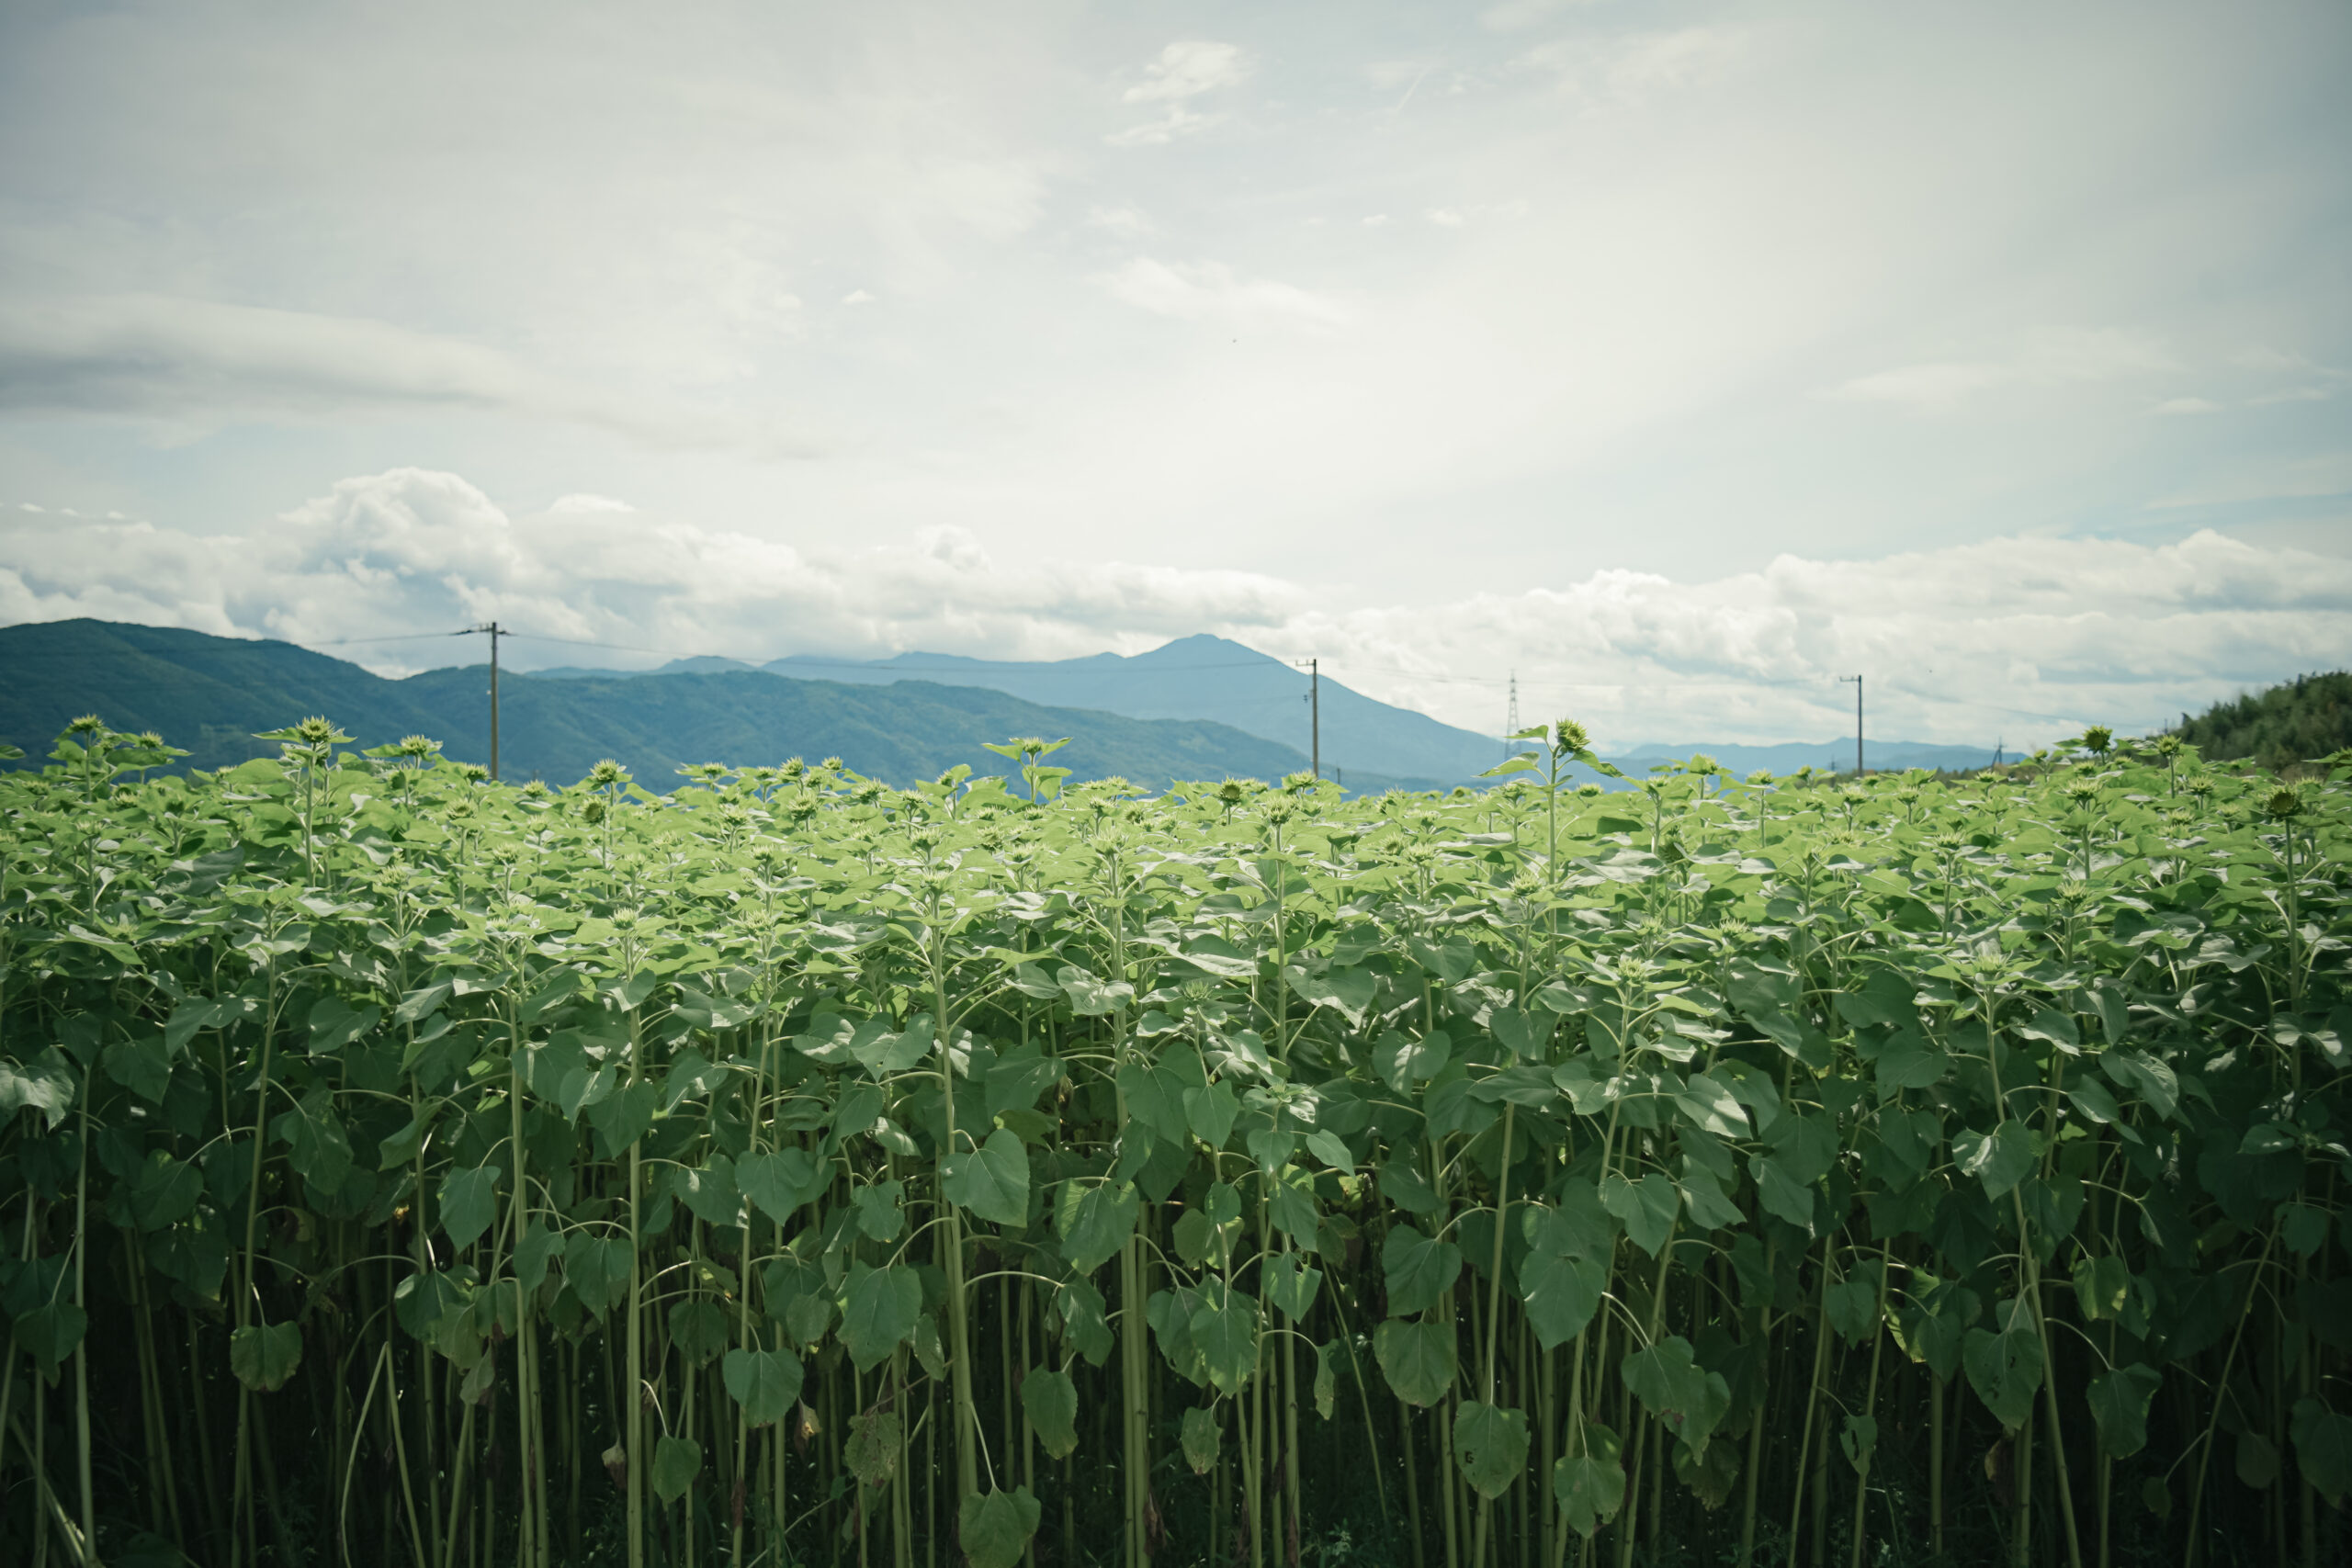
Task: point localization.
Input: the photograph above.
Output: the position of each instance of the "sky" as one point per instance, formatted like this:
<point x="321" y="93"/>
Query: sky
<point x="1673" y="358"/>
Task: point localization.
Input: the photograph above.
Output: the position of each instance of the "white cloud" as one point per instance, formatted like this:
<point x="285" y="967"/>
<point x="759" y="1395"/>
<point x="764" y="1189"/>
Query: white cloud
<point x="1629" y="70"/>
<point x="411" y="550"/>
<point x="201" y="363"/>
<point x="858" y="296"/>
<point x="2048" y="360"/>
<point x="2018" y="638"/>
<point x="1183" y="72"/>
<point x="1443" y="217"/>
<point x="2188" y="405"/>
<point x="1125" y="222"/>
<point x="1513" y="16"/>
<point x="1196" y="291"/>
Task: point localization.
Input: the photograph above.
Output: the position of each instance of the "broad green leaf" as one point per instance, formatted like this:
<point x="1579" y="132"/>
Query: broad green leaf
<point x="872" y="1451"/>
<point x="1327" y="1147"/>
<point x="336" y="1023"/>
<point x="1647" y="1207"/>
<point x="1491" y="1446"/>
<point x="534" y="1252"/>
<point x="709" y="1192"/>
<point x="469" y="1201"/>
<point x="879" y="1215"/>
<point x="49" y="1332"/>
<point x="1402" y="1061"/>
<point x="699" y="1330"/>
<point x="2004" y="1370"/>
<point x="1201" y="1432"/>
<point x="1713" y="1108"/>
<point x="1709" y="1209"/>
<point x="782" y="1180"/>
<point x="993" y="1528"/>
<point x="1858" y="1442"/>
<point x="2150" y="1079"/>
<point x="164" y="1191"/>
<point x="1289" y="1285"/>
<point x="878" y="1311"/>
<point x="1560" y="1294"/>
<point x="2322" y="1439"/>
<point x="623" y="1116"/>
<point x="1852" y="1305"/>
<point x="265" y="1356"/>
<point x="596" y="1268"/>
<point x="1092" y="1221"/>
<point x="1090" y="997"/>
<point x="1290" y="1203"/>
<point x="2118" y="1401"/>
<point x="1404" y="1187"/>
<point x="1419" y="1270"/>
<point x="1417" y="1358"/>
<point x="1084" y="1318"/>
<point x="1050" y="1400"/>
<point x="1665" y="1377"/>
<point x="886" y="1051"/>
<point x="1525" y="1033"/>
<point x="316" y="1144"/>
<point x="1591" y="1486"/>
<point x="1155" y="1097"/>
<point x="2000" y="1159"/>
<point x="1803" y="1146"/>
<point x="991" y="1180"/>
<point x="2102" y="1286"/>
<point x="1909" y="1062"/>
<point x="1885" y="998"/>
<point x="676" y="1463"/>
<point x="140" y="1065"/>
<point x="1209" y="1112"/>
<point x="2055" y="1027"/>
<point x="766" y="1383"/>
<point x="1225" y="1332"/>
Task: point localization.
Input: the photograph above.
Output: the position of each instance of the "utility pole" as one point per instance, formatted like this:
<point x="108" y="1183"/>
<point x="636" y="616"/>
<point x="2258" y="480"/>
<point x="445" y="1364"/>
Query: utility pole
<point x="495" y="631"/>
<point x="1315" y="710"/>
<point x="1856" y="679"/>
<point x="1511" y="723"/>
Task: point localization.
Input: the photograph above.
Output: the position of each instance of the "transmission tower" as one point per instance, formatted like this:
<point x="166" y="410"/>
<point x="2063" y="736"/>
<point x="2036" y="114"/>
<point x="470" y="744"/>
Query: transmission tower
<point x="1510" y="721"/>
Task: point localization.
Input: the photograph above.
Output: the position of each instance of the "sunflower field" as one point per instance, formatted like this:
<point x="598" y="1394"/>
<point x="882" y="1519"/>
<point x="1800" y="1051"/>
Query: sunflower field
<point x="401" y="1167"/>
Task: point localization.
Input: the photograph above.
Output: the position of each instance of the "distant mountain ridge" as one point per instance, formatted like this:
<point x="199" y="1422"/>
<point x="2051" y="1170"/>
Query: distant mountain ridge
<point x="1203" y="677"/>
<point x="1213" y="678"/>
<point x="209" y="695"/>
<point x="1201" y="706"/>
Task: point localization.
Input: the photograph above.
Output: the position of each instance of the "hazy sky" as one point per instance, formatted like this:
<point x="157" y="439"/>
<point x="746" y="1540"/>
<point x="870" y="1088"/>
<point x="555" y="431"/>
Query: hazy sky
<point x="1678" y="356"/>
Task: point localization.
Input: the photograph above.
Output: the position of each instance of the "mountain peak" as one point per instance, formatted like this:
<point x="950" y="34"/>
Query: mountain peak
<point x="1203" y="647"/>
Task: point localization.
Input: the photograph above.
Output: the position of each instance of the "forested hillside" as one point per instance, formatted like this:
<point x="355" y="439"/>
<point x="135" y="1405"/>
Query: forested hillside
<point x="2294" y="721"/>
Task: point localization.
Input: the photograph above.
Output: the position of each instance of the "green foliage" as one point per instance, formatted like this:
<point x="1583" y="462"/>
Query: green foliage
<point x="994" y="1528"/>
<point x="451" y="1086"/>
<point x="2278" y="726"/>
<point x="1491" y="1446"/>
<point x="1049" y="1401"/>
<point x="764" y="1383"/>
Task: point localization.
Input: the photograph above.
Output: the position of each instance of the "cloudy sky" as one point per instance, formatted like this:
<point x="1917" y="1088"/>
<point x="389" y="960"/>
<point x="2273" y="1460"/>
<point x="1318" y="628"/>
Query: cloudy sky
<point x="1677" y="356"/>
